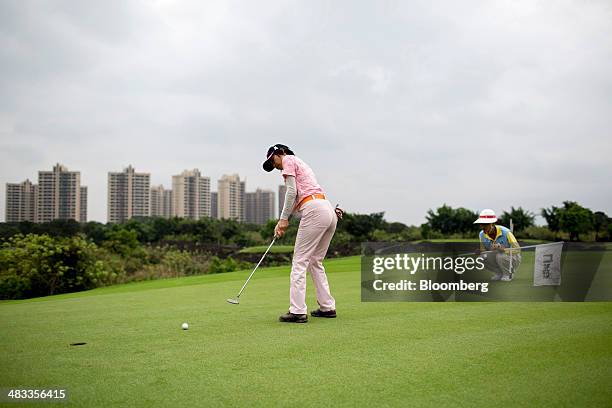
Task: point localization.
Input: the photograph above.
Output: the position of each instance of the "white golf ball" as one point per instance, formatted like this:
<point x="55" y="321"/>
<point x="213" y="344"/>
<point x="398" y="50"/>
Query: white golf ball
<point x="184" y="326"/>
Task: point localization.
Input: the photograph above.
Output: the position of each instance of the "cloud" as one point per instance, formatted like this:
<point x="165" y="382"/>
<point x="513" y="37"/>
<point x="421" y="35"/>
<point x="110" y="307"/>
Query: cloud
<point x="398" y="106"/>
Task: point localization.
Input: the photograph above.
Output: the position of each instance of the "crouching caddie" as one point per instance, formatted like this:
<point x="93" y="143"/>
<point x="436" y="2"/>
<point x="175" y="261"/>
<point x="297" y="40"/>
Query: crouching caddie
<point x="507" y="256"/>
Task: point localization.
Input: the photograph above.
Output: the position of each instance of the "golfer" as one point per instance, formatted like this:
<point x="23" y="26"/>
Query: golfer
<point x="317" y="227"/>
<point x="497" y="238"/>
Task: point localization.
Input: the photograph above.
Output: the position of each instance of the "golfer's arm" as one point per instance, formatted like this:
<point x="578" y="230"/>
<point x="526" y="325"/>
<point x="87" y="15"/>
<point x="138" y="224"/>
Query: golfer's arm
<point x="290" y="196"/>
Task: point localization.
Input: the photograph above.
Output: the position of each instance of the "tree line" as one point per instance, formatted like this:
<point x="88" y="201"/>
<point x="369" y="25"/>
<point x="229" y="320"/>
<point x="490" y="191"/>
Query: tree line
<point x="66" y="256"/>
<point x="570" y="221"/>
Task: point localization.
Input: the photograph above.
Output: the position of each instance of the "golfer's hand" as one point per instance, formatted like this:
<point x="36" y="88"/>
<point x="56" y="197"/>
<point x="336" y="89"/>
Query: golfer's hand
<point x="281" y="227"/>
<point x="339" y="212"/>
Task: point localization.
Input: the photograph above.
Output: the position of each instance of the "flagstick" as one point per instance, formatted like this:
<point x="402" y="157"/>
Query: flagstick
<point x="519" y="248"/>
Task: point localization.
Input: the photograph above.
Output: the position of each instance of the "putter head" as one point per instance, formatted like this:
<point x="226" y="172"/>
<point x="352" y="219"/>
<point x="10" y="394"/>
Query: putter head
<point x="233" y="301"/>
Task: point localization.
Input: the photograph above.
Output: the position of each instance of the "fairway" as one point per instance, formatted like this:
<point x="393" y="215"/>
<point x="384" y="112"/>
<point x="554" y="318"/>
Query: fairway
<point x="376" y="354"/>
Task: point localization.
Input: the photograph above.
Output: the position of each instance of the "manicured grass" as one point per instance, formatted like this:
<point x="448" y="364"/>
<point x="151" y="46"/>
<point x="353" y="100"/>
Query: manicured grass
<point x="287" y="249"/>
<point x="476" y="240"/>
<point x="276" y="249"/>
<point x="374" y="354"/>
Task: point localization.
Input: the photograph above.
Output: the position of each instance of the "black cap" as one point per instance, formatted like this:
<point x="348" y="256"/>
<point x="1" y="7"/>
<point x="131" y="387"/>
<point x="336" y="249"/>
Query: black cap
<point x="268" y="165"/>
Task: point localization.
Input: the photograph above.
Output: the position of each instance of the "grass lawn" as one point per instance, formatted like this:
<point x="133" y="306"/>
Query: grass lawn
<point x="287" y="249"/>
<point x="476" y="240"/>
<point x="374" y="354"/>
<point x="276" y="249"/>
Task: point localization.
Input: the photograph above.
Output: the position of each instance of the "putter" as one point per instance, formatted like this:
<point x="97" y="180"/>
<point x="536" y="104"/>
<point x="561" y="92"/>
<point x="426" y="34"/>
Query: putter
<point x="236" y="300"/>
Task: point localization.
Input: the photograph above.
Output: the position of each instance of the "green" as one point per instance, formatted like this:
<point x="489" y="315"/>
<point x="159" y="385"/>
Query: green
<point x="373" y="354"/>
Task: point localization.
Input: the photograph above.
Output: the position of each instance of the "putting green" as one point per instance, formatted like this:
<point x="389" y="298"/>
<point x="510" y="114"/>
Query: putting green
<point x="378" y="354"/>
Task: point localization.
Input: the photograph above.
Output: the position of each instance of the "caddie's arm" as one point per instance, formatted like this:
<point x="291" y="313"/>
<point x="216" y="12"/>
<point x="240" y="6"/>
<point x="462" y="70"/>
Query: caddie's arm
<point x="516" y="248"/>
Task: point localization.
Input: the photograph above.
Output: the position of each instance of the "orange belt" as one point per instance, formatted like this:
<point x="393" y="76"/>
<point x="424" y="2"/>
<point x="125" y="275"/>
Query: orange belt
<point x="310" y="197"/>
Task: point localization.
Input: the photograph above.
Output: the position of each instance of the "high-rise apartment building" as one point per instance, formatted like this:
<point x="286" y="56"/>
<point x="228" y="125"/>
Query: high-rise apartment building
<point x="161" y="202"/>
<point x="59" y="195"/>
<point x="191" y="195"/>
<point x="243" y="201"/>
<point x="230" y="192"/>
<point x="282" y="190"/>
<point x="214" y="204"/>
<point x="83" y="214"/>
<point x="128" y="195"/>
<point x="20" y="202"/>
<point x="259" y="206"/>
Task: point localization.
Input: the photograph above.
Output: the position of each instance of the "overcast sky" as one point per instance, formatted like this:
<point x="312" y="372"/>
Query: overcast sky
<point x="398" y="106"/>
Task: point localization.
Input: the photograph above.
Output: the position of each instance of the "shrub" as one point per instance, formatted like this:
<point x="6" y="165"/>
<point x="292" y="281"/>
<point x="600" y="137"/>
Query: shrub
<point x="229" y="264"/>
<point x="39" y="265"/>
<point x="182" y="263"/>
<point x="541" y="233"/>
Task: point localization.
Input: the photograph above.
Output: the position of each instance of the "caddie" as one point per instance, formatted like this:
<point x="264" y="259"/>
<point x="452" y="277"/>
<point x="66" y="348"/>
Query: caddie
<point x="506" y="257"/>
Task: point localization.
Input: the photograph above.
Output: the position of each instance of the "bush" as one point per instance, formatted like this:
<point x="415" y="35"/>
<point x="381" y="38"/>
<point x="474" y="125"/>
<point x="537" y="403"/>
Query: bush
<point x="227" y="265"/>
<point x="113" y="264"/>
<point x="540" y="233"/>
<point x="411" y="233"/>
<point x="39" y="265"/>
<point x="427" y="232"/>
<point x="121" y="241"/>
<point x="341" y="238"/>
<point x="182" y="263"/>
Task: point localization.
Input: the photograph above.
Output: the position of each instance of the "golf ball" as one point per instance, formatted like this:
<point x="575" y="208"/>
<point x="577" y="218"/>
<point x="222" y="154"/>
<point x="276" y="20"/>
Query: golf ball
<point x="184" y="326"/>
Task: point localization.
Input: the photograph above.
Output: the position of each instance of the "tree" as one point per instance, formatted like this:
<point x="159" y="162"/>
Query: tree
<point x="600" y="223"/>
<point x="521" y="219"/>
<point x="441" y="220"/>
<point x="396" y="227"/>
<point x="464" y="219"/>
<point x="121" y="241"/>
<point x="95" y="231"/>
<point x="143" y="226"/>
<point x="362" y="226"/>
<point x="552" y="215"/>
<point x="575" y="219"/>
<point x="425" y="230"/>
<point x="7" y="230"/>
<point x="267" y="231"/>
<point x="450" y="221"/>
<point x="60" y="228"/>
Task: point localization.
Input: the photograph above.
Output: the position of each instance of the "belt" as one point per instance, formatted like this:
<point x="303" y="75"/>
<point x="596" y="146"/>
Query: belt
<point x="310" y="197"/>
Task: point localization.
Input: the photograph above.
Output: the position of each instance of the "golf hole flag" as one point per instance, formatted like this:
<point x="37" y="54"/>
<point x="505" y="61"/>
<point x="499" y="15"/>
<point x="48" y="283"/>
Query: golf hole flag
<point x="547" y="268"/>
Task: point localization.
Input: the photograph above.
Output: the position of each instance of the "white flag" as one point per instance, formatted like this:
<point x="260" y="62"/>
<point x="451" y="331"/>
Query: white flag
<point x="547" y="267"/>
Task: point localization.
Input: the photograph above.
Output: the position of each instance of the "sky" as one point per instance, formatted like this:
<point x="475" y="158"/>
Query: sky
<point x="398" y="106"/>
